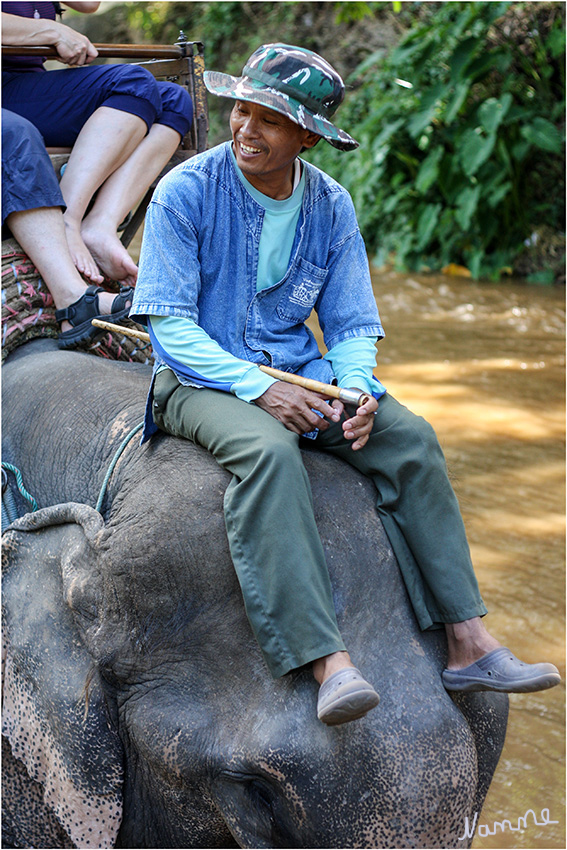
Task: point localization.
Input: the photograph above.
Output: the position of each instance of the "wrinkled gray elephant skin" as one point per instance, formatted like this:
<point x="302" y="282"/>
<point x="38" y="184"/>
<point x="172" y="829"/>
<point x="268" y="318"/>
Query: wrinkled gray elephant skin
<point x="136" y="695"/>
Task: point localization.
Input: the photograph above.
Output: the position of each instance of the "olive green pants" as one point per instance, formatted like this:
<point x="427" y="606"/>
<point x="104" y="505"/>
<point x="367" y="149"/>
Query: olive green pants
<point x="281" y="566"/>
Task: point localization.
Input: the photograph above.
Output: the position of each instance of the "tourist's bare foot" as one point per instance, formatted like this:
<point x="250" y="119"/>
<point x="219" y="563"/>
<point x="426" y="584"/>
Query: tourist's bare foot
<point x="80" y="254"/>
<point x="110" y="254"/>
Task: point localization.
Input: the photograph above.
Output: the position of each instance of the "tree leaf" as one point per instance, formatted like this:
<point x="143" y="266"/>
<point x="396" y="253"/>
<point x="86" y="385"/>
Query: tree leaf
<point x="474" y="150"/>
<point x="467" y="205"/>
<point x="385" y="134"/>
<point x="505" y="155"/>
<point x="429" y="169"/>
<point x="475" y="262"/>
<point x="493" y="111"/>
<point x="489" y="62"/>
<point x="496" y="196"/>
<point x="556" y="42"/>
<point x="429" y="105"/>
<point x="367" y="63"/>
<point x="454" y="105"/>
<point x="411" y="48"/>
<point x="520" y="150"/>
<point x="464" y="53"/>
<point x="543" y="134"/>
<point x="426" y="224"/>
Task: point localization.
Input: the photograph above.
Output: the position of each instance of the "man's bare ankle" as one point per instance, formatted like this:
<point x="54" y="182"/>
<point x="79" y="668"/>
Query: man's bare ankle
<point x="328" y="664"/>
<point x="468" y="641"/>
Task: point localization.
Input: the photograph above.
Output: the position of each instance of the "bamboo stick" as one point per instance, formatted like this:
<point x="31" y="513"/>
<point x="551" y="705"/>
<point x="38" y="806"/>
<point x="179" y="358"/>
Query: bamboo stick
<point x="109" y="326"/>
<point x="345" y="395"/>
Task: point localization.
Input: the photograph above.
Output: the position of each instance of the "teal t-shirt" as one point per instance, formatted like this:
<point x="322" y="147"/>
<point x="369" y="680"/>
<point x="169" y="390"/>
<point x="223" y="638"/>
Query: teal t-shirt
<point x="278" y="228"/>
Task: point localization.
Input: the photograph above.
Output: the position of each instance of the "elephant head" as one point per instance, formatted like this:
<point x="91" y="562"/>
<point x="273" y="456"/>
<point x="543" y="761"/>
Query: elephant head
<point x="136" y="694"/>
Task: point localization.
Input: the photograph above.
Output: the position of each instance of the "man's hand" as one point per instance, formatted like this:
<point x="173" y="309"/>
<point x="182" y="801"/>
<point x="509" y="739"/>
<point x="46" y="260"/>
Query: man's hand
<point x="293" y="406"/>
<point x="359" y="426"/>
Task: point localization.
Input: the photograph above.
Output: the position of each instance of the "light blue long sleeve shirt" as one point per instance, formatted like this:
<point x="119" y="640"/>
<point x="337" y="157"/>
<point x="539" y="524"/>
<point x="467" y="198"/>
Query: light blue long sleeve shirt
<point x="353" y="360"/>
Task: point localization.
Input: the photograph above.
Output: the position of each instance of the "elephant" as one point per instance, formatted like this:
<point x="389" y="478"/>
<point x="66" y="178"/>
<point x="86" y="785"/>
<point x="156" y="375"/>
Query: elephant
<point x="138" y="709"/>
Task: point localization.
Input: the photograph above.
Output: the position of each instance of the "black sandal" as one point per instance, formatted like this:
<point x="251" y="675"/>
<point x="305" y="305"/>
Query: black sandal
<point x="81" y="313"/>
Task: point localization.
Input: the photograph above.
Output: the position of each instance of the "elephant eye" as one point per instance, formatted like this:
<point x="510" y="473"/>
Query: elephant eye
<point x="260" y="794"/>
<point x="256" y="789"/>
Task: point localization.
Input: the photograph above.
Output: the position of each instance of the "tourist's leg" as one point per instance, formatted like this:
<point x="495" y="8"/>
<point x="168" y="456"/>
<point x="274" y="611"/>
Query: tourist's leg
<point x="104" y="112"/>
<point x="280" y="564"/>
<point x="28" y="178"/>
<point x="90" y="164"/>
<point x="41" y="233"/>
<point x="32" y="209"/>
<point x="127" y="184"/>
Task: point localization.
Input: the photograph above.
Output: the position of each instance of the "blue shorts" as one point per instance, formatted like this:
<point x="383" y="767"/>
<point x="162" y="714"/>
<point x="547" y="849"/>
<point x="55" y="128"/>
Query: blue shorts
<point x="28" y="177"/>
<point x="59" y="103"/>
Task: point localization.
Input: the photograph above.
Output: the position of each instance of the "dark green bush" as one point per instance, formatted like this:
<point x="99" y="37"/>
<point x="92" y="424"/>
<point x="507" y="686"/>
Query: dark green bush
<point x="461" y="130"/>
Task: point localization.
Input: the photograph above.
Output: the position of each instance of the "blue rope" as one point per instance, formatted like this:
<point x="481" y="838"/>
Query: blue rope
<point x="113" y="463"/>
<point x="8" y="507"/>
<point x="20" y="482"/>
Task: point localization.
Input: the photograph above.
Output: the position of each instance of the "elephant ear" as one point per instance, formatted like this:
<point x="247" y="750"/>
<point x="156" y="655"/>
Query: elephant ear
<point x="54" y="713"/>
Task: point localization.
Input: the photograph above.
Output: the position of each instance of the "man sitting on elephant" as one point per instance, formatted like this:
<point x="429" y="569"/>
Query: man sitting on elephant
<point x="240" y="244"/>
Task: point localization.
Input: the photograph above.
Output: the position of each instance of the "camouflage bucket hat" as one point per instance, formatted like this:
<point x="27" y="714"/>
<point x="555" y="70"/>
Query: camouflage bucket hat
<point x="294" y="81"/>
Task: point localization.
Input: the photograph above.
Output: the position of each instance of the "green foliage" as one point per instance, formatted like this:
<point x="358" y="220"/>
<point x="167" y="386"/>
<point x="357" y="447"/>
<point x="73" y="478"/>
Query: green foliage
<point x="353" y="11"/>
<point x="461" y="123"/>
<point x="461" y="130"/>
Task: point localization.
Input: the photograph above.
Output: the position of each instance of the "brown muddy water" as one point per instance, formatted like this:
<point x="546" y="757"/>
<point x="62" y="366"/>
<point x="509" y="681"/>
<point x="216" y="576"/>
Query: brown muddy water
<point x="485" y="364"/>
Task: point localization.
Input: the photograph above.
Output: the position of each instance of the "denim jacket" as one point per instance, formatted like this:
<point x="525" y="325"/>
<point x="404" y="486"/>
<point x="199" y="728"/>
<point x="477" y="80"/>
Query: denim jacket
<point x="199" y="260"/>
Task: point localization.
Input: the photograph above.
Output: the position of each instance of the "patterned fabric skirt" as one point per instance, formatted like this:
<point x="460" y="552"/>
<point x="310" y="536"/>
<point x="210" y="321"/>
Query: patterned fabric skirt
<point x="28" y="312"/>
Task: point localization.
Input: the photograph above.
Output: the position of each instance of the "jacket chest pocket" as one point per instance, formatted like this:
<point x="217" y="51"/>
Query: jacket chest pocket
<point x="300" y="292"/>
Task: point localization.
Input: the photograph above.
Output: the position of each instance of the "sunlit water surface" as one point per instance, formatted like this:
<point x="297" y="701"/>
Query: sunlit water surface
<point x="485" y="365"/>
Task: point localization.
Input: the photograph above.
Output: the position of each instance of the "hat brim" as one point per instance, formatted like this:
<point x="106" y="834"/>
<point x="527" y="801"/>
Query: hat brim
<point x="244" y="88"/>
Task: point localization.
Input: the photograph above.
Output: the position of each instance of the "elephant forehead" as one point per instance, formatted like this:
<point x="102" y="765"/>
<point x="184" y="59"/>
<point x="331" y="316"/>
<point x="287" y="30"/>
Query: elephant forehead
<point x="240" y="724"/>
<point x="383" y="772"/>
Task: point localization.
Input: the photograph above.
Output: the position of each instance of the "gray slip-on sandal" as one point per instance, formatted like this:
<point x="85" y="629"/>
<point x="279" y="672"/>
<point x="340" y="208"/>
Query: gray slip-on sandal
<point x="345" y="696"/>
<point x="500" y="670"/>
